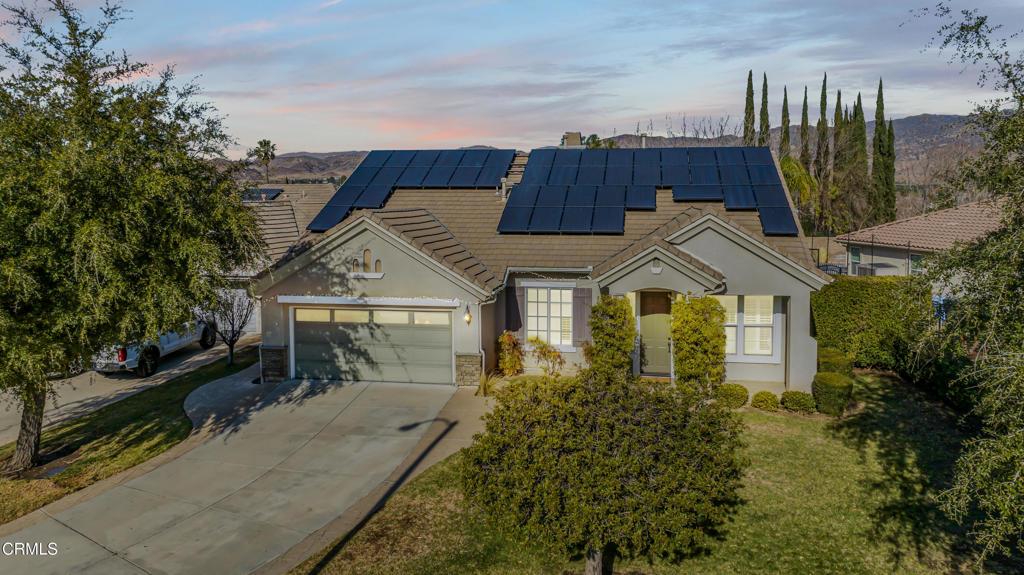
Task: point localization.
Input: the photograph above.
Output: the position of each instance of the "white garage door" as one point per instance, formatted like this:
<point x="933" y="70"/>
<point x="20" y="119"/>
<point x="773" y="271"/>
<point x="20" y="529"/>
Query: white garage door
<point x="373" y="344"/>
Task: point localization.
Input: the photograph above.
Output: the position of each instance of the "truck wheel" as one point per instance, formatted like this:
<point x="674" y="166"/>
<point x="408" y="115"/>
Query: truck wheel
<point x="148" y="361"/>
<point x="208" y="339"/>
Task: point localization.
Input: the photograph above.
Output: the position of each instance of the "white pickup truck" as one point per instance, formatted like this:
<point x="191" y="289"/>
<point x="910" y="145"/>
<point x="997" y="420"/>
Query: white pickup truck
<point x="144" y="359"/>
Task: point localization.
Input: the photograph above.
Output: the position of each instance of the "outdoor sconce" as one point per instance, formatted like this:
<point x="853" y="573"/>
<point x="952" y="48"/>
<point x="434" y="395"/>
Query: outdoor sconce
<point x="468" y="317"/>
<point x="656" y="266"/>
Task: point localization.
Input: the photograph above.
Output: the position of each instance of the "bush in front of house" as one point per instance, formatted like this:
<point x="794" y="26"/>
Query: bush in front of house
<point x="834" y="360"/>
<point x="875" y="320"/>
<point x="510" y="354"/>
<point x="547" y="356"/>
<point x="546" y="480"/>
<point x="698" y="344"/>
<point x="832" y="392"/>
<point x="798" y="401"/>
<point x="612" y="333"/>
<point x="765" y="401"/>
<point x="732" y="395"/>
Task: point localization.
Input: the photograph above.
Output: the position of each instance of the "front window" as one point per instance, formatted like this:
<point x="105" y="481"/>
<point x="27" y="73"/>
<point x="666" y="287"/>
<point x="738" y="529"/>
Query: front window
<point x="916" y="261"/>
<point x="731" y="305"/>
<point x="549" y="315"/>
<point x="751" y="320"/>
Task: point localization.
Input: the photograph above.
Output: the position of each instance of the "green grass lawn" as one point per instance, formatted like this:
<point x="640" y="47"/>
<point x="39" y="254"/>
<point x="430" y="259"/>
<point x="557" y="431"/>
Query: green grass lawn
<point x="821" y="495"/>
<point x="112" y="438"/>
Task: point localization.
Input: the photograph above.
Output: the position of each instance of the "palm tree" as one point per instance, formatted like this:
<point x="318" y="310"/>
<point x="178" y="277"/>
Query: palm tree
<point x="264" y="153"/>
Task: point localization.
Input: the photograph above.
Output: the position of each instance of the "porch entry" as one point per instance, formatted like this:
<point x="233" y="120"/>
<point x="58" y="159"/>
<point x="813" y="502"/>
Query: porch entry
<point x="654" y="319"/>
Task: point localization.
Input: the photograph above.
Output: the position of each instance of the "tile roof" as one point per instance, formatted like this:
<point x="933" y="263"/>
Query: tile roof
<point x="935" y="231"/>
<point x="307" y="199"/>
<point x="278" y="227"/>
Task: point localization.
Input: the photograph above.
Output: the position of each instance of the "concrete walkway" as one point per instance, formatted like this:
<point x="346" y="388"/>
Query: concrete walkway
<point x="271" y="475"/>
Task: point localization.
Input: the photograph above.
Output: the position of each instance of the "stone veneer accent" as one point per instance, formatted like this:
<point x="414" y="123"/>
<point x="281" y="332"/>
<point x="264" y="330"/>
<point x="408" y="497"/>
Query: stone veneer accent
<point x="274" y="363"/>
<point x="467" y="369"/>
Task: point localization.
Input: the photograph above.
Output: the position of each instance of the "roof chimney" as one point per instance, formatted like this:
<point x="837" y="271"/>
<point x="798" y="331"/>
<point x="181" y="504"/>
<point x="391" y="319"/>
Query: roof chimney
<point x="572" y="139"/>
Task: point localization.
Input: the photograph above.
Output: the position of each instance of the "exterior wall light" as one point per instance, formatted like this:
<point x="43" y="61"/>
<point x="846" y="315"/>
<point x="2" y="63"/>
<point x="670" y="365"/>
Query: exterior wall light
<point x="656" y="266"/>
<point x="468" y="317"/>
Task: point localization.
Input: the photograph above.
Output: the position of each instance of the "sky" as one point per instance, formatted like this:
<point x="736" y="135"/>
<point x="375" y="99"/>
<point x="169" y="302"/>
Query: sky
<point x="331" y="75"/>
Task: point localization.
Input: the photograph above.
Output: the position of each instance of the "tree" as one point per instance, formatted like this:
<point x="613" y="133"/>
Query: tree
<point x="890" y="176"/>
<point x="264" y="153"/>
<point x="986" y="279"/>
<point x="784" y="144"/>
<point x="749" y="137"/>
<point x="698" y="345"/>
<point x="805" y="137"/>
<point x="613" y="335"/>
<point x="603" y="465"/>
<point x="822" y="158"/>
<point x="114" y="223"/>
<point x="880" y="187"/>
<point x="231" y="313"/>
<point x="594" y="141"/>
<point x="764" y="136"/>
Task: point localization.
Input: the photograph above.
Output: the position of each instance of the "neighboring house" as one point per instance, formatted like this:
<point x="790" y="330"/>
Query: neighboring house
<point x="423" y="258"/>
<point x="898" y="248"/>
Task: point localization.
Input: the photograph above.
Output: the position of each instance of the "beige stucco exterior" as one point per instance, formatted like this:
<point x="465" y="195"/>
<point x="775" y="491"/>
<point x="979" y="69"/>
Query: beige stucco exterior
<point x="883" y="260"/>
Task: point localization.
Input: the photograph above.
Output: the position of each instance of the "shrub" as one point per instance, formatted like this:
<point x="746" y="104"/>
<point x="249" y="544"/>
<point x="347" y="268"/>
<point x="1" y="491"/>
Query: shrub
<point x="798" y="401"/>
<point x="548" y="356"/>
<point x="872" y="319"/>
<point x="832" y="392"/>
<point x="613" y="335"/>
<point x="766" y="401"/>
<point x="732" y="395"/>
<point x="488" y="384"/>
<point x="510" y="354"/>
<point x="698" y="343"/>
<point x="545" y="479"/>
<point x="835" y="361"/>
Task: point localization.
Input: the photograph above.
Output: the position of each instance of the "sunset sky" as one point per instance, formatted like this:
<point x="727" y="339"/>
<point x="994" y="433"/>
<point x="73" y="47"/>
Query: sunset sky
<point x="346" y="74"/>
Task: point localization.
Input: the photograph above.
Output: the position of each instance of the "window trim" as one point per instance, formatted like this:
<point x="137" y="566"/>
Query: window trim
<point x="919" y="258"/>
<point x="549" y="285"/>
<point x="777" y="332"/>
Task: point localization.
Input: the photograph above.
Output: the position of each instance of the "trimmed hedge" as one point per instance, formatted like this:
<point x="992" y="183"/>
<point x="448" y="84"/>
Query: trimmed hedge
<point x="835" y="361"/>
<point x="874" y="320"/>
<point x="798" y="401"/>
<point x="732" y="395"/>
<point x="832" y="392"/>
<point x="766" y="401"/>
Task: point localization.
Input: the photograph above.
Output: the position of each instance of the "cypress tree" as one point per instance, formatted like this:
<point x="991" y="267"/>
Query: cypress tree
<point x="805" y="137"/>
<point x="784" y="144"/>
<point x="880" y="163"/>
<point x="890" y="165"/>
<point x="857" y="182"/>
<point x="838" y="125"/>
<point x="821" y="160"/>
<point x="748" y="112"/>
<point x="764" y="137"/>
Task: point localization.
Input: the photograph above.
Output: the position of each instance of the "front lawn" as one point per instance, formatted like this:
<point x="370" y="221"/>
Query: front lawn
<point x="821" y="495"/>
<point x="110" y="439"/>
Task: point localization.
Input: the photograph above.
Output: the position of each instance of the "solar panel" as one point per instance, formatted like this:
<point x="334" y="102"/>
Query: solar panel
<point x="620" y="157"/>
<point x="425" y="158"/>
<point x="581" y="196"/>
<point x="474" y="158"/>
<point x="701" y="156"/>
<point x="260" y="194"/>
<point x="611" y="196"/>
<point x="646" y="157"/>
<point x="618" y="175"/>
<point x="704" y="175"/>
<point x="590" y="175"/>
<point x="464" y="177"/>
<point x="739" y="198"/>
<point x="329" y="217"/>
<point x="674" y="157"/>
<point x="542" y="156"/>
<point x="577" y="219"/>
<point x="387" y="176"/>
<point x="641" y="198"/>
<point x="594" y="158"/>
<point x="563" y="175"/>
<point x="734" y="175"/>
<point x="376" y="158"/>
<point x="675" y="175"/>
<point x="551" y="196"/>
<point x="730" y="156"/>
<point x="645" y="175"/>
<point x="523" y="196"/>
<point x="778" y="222"/>
<point x="567" y="158"/>
<point x="373" y="197"/>
<point x="400" y="158"/>
<point x="691" y="193"/>
<point x="758" y="156"/>
<point x="346" y="195"/>
<point x="609" y="220"/>
<point x="362" y="176"/>
<point x="546" y="219"/>
<point x="763" y="175"/>
<point x="491" y="175"/>
<point x="536" y="173"/>
<point x="412" y="177"/>
<point x="449" y="158"/>
<point x="770" y="197"/>
<point x="501" y="158"/>
<point x="438" y="176"/>
<point x="514" y="220"/>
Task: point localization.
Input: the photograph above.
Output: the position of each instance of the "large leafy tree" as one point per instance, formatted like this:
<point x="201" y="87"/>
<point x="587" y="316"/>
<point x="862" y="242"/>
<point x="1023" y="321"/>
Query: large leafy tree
<point x="986" y="280"/>
<point x="114" y="224"/>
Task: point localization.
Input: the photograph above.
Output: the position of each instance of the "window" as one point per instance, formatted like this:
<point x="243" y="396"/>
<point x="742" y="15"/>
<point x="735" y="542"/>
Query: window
<point x="367" y="256"/>
<point x="549" y="315"/>
<point x="854" y="259"/>
<point x="750" y="320"/>
<point x="731" y="305"/>
<point x="313" y="315"/>
<point x="916" y="267"/>
<point x="351" y="316"/>
<point x="378" y="267"/>
<point x="389" y="317"/>
<point x="431" y="318"/>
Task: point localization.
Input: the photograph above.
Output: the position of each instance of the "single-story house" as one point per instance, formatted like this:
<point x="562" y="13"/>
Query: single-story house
<point x="424" y="257"/>
<point x="898" y="248"/>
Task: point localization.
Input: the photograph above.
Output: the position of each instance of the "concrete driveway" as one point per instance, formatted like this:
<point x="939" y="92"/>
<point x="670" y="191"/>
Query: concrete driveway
<point x="89" y="390"/>
<point x="303" y="455"/>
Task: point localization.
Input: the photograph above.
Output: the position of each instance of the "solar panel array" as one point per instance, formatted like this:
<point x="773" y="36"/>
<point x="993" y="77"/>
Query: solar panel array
<point x="381" y="171"/>
<point x="589" y="191"/>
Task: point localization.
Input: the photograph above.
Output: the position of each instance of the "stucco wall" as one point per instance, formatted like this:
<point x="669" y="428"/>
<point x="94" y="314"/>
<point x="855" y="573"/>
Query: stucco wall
<point x="886" y="261"/>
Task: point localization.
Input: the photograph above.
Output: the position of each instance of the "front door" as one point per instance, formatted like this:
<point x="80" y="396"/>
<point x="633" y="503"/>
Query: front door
<point x="655" y="320"/>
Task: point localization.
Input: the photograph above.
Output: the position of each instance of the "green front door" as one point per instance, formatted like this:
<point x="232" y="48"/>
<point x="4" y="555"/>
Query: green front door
<point x="655" y="319"/>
